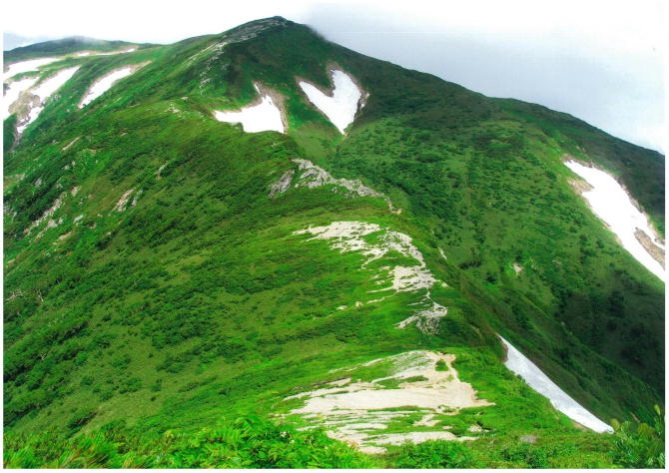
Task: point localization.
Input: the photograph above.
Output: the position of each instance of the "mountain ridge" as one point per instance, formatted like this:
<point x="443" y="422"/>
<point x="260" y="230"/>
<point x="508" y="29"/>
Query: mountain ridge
<point x="438" y="152"/>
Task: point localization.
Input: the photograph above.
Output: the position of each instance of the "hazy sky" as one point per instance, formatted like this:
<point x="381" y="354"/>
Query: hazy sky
<point x="601" y="61"/>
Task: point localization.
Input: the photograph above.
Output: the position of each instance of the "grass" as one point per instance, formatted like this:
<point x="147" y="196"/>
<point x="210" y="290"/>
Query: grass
<point x="198" y="299"/>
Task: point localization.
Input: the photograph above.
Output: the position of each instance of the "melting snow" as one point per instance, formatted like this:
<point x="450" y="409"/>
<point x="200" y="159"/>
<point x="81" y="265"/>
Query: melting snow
<point x="527" y="370"/>
<point x="13" y="92"/>
<point x="612" y="204"/>
<point x="105" y="83"/>
<point x="27" y="66"/>
<point x="263" y="116"/>
<point x="342" y="105"/>
<point x="44" y="90"/>
<point x="111" y="53"/>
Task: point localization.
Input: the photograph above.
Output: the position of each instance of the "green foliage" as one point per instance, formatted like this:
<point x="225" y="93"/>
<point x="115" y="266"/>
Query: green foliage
<point x="247" y="442"/>
<point x="640" y="445"/>
<point x="8" y="128"/>
<point x="196" y="297"/>
<point x="434" y="454"/>
<point x="81" y="417"/>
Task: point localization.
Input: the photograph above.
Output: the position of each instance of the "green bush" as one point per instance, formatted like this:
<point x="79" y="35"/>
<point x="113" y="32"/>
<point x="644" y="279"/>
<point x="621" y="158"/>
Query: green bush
<point x="639" y="445"/>
<point x="434" y="454"/>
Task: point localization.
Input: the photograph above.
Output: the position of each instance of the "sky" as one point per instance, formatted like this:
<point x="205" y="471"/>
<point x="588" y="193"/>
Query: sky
<point x="601" y="61"/>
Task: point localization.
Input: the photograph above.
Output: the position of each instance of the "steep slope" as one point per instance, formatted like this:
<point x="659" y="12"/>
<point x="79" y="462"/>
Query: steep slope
<point x="166" y="266"/>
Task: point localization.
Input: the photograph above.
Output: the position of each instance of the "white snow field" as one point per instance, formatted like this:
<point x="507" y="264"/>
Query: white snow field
<point x="610" y="203"/>
<point x="13" y="93"/>
<point x="105" y="83"/>
<point x="44" y="91"/>
<point x="342" y="105"/>
<point x="263" y="116"/>
<point x="27" y="66"/>
<point x="542" y="384"/>
<point x="111" y="53"/>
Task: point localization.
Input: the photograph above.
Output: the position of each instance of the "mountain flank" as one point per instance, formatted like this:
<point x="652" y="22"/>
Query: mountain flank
<point x="262" y="249"/>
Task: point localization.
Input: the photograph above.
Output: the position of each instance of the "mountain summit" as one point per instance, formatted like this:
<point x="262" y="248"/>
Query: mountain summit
<point x="266" y="234"/>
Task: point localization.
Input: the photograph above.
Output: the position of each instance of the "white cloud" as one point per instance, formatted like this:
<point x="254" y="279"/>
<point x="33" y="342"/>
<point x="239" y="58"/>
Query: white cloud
<point x="601" y="60"/>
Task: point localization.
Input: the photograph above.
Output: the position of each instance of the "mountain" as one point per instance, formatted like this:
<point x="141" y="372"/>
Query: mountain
<point x="213" y="244"/>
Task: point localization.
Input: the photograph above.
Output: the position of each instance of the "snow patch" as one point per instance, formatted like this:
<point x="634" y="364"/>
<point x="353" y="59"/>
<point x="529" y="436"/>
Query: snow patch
<point x="110" y="53"/>
<point x="262" y="116"/>
<point x="13" y="92"/>
<point x="105" y="83"/>
<point x="27" y="66"/>
<point x="342" y="104"/>
<point x="43" y="91"/>
<point x="359" y="412"/>
<point x="541" y="383"/>
<point x="609" y="201"/>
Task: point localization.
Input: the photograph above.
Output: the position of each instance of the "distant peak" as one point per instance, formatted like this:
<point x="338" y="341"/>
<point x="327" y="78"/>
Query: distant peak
<point x="255" y="27"/>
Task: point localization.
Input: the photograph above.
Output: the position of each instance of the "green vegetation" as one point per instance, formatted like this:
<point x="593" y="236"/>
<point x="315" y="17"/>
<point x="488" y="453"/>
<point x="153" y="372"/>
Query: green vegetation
<point x="246" y="442"/>
<point x="63" y="46"/>
<point x="640" y="445"/>
<point x="155" y="294"/>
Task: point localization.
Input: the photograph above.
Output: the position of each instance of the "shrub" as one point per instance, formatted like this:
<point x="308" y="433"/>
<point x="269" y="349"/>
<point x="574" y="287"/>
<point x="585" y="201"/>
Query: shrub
<point x="434" y="454"/>
<point x="640" y="445"/>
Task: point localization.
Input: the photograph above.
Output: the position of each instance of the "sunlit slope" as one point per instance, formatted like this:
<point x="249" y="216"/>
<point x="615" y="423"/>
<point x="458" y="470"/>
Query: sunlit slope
<point x="165" y="268"/>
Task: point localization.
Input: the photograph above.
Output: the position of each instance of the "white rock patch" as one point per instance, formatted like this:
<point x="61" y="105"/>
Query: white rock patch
<point x="342" y="105"/>
<point x="311" y="176"/>
<point x="105" y="83"/>
<point x="612" y="204"/>
<point x="541" y="383"/>
<point x="263" y="116"/>
<point x="426" y="320"/>
<point x="47" y="213"/>
<point x="359" y="412"/>
<point x="43" y="91"/>
<point x="122" y="203"/>
<point x="350" y="236"/>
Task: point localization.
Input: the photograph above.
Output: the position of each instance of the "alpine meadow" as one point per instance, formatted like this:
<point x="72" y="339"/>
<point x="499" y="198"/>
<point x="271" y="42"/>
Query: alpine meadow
<point x="260" y="249"/>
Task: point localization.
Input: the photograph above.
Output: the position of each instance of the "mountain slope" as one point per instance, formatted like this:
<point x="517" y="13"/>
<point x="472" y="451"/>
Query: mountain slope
<point x="166" y="268"/>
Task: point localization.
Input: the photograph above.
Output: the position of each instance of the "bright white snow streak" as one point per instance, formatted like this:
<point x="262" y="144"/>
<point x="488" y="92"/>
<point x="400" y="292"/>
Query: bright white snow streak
<point x="610" y="202"/>
<point x="564" y="403"/>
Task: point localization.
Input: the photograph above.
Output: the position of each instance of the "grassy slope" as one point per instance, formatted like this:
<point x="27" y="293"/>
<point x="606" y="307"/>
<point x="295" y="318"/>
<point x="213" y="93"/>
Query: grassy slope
<point x="492" y="190"/>
<point x="61" y="47"/>
<point x="184" y="306"/>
